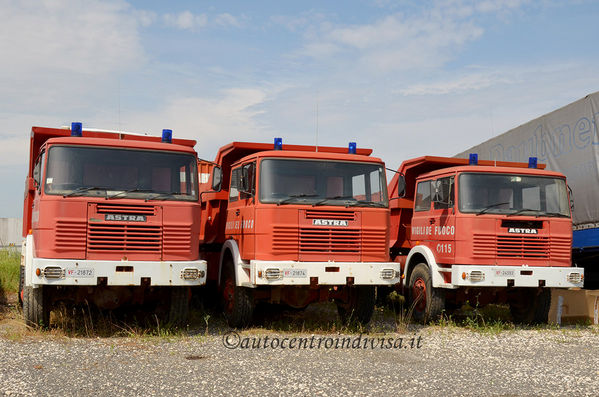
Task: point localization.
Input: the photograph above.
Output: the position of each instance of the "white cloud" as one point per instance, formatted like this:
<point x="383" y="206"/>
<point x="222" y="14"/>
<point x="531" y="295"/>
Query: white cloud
<point x="83" y="37"/>
<point x="227" y="20"/>
<point x="186" y="20"/>
<point x="470" y="82"/>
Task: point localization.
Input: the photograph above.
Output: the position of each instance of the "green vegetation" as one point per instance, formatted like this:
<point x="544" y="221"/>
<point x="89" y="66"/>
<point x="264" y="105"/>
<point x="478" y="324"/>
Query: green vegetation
<point x="10" y="260"/>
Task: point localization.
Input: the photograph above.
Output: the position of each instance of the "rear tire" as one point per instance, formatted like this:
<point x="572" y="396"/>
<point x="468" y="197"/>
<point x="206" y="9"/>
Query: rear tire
<point x="360" y="306"/>
<point x="36" y="310"/>
<point x="238" y="302"/>
<point x="427" y="303"/>
<point x="179" y="305"/>
<point x="530" y="306"/>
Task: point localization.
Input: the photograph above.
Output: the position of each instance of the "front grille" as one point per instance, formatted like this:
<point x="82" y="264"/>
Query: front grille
<point x="124" y="238"/>
<point x="285" y="240"/>
<point x="338" y="215"/>
<point x="327" y="240"/>
<point x="125" y="209"/>
<point x="176" y="240"/>
<point x="53" y="272"/>
<point x="374" y="241"/>
<point x="70" y="235"/>
<point x="522" y="247"/>
<point x="489" y="246"/>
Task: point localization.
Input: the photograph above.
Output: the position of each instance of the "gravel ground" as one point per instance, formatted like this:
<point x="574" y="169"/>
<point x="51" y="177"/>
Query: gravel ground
<point x="449" y="361"/>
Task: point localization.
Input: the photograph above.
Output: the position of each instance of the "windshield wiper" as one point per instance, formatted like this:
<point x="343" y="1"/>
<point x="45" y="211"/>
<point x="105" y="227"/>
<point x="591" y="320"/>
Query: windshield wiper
<point x="130" y="191"/>
<point x="84" y="189"/>
<point x="294" y="196"/>
<point x="321" y="202"/>
<point x="364" y="202"/>
<point x="558" y="214"/>
<point x="491" y="206"/>
<point x="161" y="195"/>
<point x="521" y="210"/>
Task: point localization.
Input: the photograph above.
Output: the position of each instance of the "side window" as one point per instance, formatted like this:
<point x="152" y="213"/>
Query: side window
<point x="443" y="193"/>
<point x="423" y="196"/>
<point x="234" y="189"/>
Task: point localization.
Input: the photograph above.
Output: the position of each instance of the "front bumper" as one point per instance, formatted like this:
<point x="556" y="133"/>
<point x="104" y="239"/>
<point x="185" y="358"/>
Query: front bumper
<point x="324" y="273"/>
<point x="118" y="273"/>
<point x="516" y="276"/>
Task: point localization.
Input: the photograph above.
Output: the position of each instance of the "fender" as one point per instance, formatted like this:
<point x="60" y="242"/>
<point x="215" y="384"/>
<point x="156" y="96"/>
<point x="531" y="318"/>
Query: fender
<point x="242" y="278"/>
<point x="27" y="250"/>
<point x="434" y="269"/>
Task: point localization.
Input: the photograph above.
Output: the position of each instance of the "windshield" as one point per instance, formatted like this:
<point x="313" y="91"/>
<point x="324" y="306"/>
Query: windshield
<point x="117" y="173"/>
<point x="513" y="194"/>
<point x="322" y="182"/>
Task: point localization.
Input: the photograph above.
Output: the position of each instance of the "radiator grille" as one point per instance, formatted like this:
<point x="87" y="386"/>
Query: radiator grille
<point x="342" y="215"/>
<point x="124" y="238"/>
<point x="328" y="240"/>
<point x="176" y="239"/>
<point x="125" y="209"/>
<point x="70" y="235"/>
<point x="488" y="246"/>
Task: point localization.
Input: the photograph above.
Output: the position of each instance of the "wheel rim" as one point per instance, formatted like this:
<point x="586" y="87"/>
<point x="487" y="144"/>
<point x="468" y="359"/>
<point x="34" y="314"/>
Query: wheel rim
<point x="229" y="295"/>
<point x="419" y="294"/>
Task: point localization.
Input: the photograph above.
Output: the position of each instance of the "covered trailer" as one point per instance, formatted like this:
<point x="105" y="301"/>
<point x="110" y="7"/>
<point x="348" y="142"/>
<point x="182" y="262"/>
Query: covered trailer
<point x="567" y="141"/>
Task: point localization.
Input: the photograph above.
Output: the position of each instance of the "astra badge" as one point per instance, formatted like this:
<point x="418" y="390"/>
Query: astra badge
<point x="329" y="222"/>
<point x="522" y="230"/>
<point x="125" y="218"/>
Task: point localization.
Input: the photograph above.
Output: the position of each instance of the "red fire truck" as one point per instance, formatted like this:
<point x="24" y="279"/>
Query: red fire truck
<point x="109" y="217"/>
<point x="295" y="226"/>
<point x="481" y="232"/>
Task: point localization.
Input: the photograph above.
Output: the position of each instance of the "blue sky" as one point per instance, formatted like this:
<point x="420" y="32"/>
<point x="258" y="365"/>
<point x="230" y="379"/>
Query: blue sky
<point x="406" y="78"/>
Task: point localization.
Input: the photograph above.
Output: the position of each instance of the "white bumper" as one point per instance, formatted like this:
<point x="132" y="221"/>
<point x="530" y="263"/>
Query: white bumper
<point x="117" y="273"/>
<point x="516" y="276"/>
<point x="326" y="273"/>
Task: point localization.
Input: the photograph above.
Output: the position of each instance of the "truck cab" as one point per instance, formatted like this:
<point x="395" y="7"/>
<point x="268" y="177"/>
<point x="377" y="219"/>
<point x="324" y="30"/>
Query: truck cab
<point x="300" y="226"/>
<point x="109" y="217"/>
<point x="497" y="232"/>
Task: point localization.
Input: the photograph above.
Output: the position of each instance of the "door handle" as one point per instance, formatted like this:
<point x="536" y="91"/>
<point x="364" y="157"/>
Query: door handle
<point x="431" y="220"/>
<point x="237" y="212"/>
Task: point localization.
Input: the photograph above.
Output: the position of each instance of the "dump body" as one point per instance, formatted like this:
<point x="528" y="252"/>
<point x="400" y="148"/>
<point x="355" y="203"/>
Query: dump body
<point x="110" y="210"/>
<point x="567" y="140"/>
<point x="494" y="224"/>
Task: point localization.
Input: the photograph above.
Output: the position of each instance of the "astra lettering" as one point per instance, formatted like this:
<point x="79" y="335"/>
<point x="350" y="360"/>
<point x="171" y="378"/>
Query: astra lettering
<point x="125" y="218"/>
<point x="521" y="230"/>
<point x="329" y="222"/>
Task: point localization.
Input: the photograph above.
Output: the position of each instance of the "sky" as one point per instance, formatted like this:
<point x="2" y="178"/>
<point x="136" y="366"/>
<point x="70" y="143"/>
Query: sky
<point x="405" y="78"/>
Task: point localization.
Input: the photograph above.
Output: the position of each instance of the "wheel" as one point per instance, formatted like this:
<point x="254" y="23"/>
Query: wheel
<point x="238" y="302"/>
<point x="427" y="303"/>
<point x="35" y="307"/>
<point x="360" y="306"/>
<point x="179" y="305"/>
<point x="530" y="306"/>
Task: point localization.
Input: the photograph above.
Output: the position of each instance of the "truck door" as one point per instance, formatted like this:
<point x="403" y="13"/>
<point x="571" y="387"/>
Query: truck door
<point x="240" y="211"/>
<point x="442" y="219"/>
<point x="422" y="220"/>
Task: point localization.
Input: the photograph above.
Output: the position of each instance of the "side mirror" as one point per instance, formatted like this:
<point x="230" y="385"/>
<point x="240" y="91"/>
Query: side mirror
<point x="245" y="180"/>
<point x="30" y="184"/>
<point x="571" y="198"/>
<point x="401" y="186"/>
<point x="217" y="178"/>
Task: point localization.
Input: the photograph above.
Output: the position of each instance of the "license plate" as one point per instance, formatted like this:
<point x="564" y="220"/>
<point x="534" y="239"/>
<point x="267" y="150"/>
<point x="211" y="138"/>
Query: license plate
<point x="302" y="273"/>
<point x="79" y="273"/>
<point x="505" y="273"/>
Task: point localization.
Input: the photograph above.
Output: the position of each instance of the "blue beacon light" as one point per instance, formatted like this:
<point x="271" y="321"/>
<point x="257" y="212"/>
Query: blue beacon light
<point x="76" y="129"/>
<point x="532" y="162"/>
<point x="167" y="136"/>
<point x="473" y="160"/>
<point x="352" y="148"/>
<point x="278" y="143"/>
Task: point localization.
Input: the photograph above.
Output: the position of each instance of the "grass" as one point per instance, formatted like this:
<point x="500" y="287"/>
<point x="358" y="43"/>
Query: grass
<point x="10" y="260"/>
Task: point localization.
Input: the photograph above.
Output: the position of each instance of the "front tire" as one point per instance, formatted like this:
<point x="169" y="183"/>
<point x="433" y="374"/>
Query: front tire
<point x="36" y="310"/>
<point x="427" y="303"/>
<point x="238" y="302"/>
<point x="360" y="306"/>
